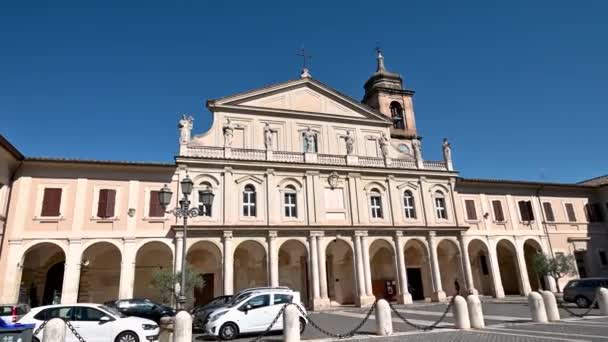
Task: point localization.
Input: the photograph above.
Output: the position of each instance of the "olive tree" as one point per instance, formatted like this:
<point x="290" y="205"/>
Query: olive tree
<point x="166" y="282"/>
<point x="558" y="267"/>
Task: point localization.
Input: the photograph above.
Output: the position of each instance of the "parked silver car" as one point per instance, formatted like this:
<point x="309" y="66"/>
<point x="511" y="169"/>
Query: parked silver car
<point x="11" y="313"/>
<point x="582" y="291"/>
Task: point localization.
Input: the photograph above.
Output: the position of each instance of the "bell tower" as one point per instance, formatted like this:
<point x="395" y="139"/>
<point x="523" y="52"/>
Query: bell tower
<point x="384" y="92"/>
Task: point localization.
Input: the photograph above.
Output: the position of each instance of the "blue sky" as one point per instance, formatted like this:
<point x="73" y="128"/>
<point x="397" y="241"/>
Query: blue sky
<point x="519" y="87"/>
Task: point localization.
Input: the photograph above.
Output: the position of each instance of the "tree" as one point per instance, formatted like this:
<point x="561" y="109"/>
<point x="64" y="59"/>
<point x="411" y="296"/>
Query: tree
<point x="560" y="266"/>
<point x="165" y="280"/>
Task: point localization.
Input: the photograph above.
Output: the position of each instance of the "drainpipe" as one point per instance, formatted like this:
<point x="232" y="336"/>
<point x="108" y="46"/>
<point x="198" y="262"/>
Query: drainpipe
<point x="544" y="221"/>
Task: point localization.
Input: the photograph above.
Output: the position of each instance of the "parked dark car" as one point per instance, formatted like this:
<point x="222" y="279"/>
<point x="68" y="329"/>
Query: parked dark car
<point x="200" y="314"/>
<point x="582" y="291"/>
<point x="143" y="308"/>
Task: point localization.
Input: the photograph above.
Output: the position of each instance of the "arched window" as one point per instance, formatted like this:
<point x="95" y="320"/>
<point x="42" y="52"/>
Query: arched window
<point x="205" y="199"/>
<point x="408" y="205"/>
<point x="375" y="204"/>
<point x="397" y="115"/>
<point x="440" y="208"/>
<point x="249" y="201"/>
<point x="290" y="202"/>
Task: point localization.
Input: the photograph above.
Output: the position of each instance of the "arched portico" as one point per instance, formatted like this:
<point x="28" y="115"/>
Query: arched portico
<point x="151" y="257"/>
<point x="383" y="270"/>
<point x="250" y="265"/>
<point x="340" y="272"/>
<point x="206" y="260"/>
<point x="452" y="280"/>
<point x="418" y="270"/>
<point x="509" y="271"/>
<point x="293" y="268"/>
<point x="100" y="273"/>
<point x="42" y="274"/>
<point x="531" y="249"/>
<point x="481" y="267"/>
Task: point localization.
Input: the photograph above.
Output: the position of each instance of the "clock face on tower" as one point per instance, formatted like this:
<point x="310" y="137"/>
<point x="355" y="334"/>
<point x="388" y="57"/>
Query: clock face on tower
<point x="403" y="148"/>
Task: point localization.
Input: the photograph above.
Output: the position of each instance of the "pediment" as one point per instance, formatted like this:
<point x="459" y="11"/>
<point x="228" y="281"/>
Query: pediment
<point x="306" y="96"/>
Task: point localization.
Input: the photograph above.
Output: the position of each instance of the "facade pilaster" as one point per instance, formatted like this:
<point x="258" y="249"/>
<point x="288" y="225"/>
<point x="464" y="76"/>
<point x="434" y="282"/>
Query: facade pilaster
<point x="310" y="198"/>
<point x="228" y="264"/>
<point x="404" y="296"/>
<point x="393" y="199"/>
<point x="71" y="279"/>
<point x="438" y="294"/>
<point x="352" y="194"/>
<point x="230" y="205"/>
<point x="273" y="259"/>
<point x="314" y="260"/>
<point x="133" y="203"/>
<point x="272" y="210"/>
<point x="127" y="270"/>
<point x="428" y="208"/>
<point x="79" y="203"/>
<point x="466" y="263"/>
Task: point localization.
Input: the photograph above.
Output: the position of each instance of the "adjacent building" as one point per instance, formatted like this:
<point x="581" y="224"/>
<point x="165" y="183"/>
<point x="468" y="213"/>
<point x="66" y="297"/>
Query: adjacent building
<point x="309" y="189"/>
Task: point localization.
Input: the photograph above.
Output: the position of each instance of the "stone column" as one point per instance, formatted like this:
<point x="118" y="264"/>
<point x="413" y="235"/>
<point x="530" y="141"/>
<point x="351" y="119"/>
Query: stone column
<point x="12" y="274"/>
<point x="362" y="273"/>
<point x="499" y="291"/>
<point x="179" y="246"/>
<point x="273" y="259"/>
<point x="310" y="198"/>
<point x="366" y="265"/>
<point x="466" y="263"/>
<point x="228" y="264"/>
<point x="360" y="277"/>
<point x="404" y="296"/>
<point x="71" y="279"/>
<point x="438" y="294"/>
<point x="322" y="267"/>
<point x="127" y="271"/>
<point x="314" y="261"/>
<point x="523" y="269"/>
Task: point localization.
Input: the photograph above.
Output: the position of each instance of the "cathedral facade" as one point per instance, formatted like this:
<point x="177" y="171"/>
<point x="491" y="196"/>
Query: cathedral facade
<point x="297" y="185"/>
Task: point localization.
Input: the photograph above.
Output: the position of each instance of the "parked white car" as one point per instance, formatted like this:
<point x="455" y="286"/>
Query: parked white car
<point x="95" y="323"/>
<point x="253" y="313"/>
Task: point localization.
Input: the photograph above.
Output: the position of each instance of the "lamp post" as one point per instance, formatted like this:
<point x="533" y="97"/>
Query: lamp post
<point x="184" y="211"/>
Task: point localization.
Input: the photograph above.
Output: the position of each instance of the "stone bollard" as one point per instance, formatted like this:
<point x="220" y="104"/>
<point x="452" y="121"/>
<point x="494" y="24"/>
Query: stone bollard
<point x="54" y="331"/>
<point x="475" y="312"/>
<point x="384" y="321"/>
<point x="166" y="329"/>
<point x="550" y="306"/>
<point x="602" y="300"/>
<point x="291" y="324"/>
<point x="537" y="307"/>
<point x="182" y="327"/>
<point x="461" y="313"/>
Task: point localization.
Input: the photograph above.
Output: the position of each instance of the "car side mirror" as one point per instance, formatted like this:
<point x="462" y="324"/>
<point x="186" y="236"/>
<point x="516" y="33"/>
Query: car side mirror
<point x="105" y="319"/>
<point x="247" y="308"/>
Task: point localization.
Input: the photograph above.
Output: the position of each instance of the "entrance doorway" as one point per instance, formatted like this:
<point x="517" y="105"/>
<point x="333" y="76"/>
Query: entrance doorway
<point x="204" y="294"/>
<point x="414" y="283"/>
<point x="53" y="284"/>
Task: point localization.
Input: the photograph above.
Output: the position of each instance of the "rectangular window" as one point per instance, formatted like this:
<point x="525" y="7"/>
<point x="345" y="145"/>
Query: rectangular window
<point x="579" y="256"/>
<point x="603" y="258"/>
<point x="570" y="212"/>
<point x="471" y="212"/>
<point x="204" y="209"/>
<point x="51" y="202"/>
<point x="376" y="205"/>
<point x="499" y="215"/>
<point x="440" y="208"/>
<point x="249" y="198"/>
<point x="408" y="205"/>
<point x="525" y="210"/>
<point x="290" y="205"/>
<point x="156" y="210"/>
<point x="548" y="212"/>
<point x="106" y="203"/>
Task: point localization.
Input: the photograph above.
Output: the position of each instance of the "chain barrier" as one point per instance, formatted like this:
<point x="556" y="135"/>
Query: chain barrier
<point x="435" y="324"/>
<point x="562" y="305"/>
<point x="348" y="334"/>
<point x="67" y="323"/>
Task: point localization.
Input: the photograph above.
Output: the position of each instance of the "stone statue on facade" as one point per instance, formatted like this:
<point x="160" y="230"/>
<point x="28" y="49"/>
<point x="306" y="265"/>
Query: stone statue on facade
<point x="309" y="136"/>
<point x="447" y="150"/>
<point x="350" y="143"/>
<point x="417" y="149"/>
<point x="185" y="128"/>
<point x="267" y="136"/>
<point x="228" y="132"/>
<point x="384" y="144"/>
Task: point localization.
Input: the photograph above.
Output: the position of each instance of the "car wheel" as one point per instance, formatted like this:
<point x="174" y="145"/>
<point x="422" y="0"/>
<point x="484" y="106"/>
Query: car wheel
<point x="228" y="331"/>
<point x="127" y="336"/>
<point x="302" y="325"/>
<point x="582" y="302"/>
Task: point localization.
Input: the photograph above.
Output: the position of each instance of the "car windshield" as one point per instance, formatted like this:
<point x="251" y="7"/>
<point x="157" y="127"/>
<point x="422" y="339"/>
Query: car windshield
<point x="113" y="311"/>
<point x="238" y="299"/>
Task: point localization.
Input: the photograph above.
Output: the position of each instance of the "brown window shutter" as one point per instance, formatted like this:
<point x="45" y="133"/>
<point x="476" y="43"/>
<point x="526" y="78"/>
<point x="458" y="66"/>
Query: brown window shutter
<point x="155" y="208"/>
<point x="470" y="206"/>
<point x="51" y="202"/>
<point x="523" y="210"/>
<point x="498" y="213"/>
<point x="107" y="200"/>
<point x="548" y="211"/>
<point x="530" y="211"/>
<point x="570" y="212"/>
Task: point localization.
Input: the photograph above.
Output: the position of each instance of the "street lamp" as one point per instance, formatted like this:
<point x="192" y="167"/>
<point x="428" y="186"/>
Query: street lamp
<point x="184" y="211"/>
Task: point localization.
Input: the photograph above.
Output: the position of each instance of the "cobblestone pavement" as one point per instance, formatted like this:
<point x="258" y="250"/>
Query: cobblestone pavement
<point x="505" y="321"/>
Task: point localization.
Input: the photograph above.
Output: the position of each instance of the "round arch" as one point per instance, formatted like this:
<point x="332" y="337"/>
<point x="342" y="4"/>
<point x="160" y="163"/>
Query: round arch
<point x="205" y="258"/>
<point x="480" y="267"/>
<point x="152" y="257"/>
<point x="506" y="253"/>
<point x="340" y="271"/>
<point x="531" y="248"/>
<point x="383" y="269"/>
<point x="448" y="255"/>
<point x="100" y="272"/>
<point x="293" y="267"/>
<point x="42" y="274"/>
<point x="418" y="269"/>
<point x="250" y="265"/>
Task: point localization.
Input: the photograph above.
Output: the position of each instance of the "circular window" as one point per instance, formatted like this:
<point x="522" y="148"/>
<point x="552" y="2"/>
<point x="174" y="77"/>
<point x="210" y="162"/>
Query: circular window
<point x="404" y="149"/>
